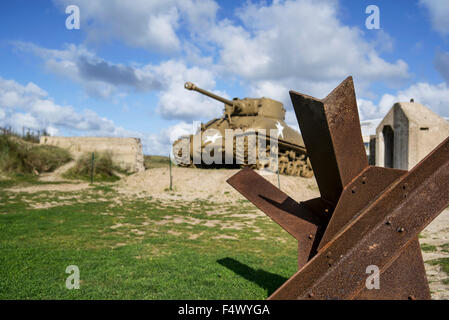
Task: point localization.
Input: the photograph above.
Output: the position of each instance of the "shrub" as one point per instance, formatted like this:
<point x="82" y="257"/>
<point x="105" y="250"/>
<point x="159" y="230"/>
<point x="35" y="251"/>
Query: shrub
<point x="18" y="156"/>
<point x="151" y="162"/>
<point x="104" y="167"/>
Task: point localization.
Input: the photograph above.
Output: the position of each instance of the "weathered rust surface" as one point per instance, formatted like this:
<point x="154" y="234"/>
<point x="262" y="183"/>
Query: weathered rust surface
<point x="404" y="279"/>
<point x="358" y="194"/>
<point x="338" y="271"/>
<point x="333" y="139"/>
<point x="365" y="216"/>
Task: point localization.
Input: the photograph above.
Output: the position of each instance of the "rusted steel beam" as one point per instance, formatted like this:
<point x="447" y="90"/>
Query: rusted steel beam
<point x="358" y="194"/>
<point x="397" y="282"/>
<point x="331" y="131"/>
<point x="298" y="219"/>
<point x="365" y="216"/>
<point x="377" y="236"/>
<point x="404" y="279"/>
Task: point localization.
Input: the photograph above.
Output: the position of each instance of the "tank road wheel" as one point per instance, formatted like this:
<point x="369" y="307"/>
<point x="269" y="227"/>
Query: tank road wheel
<point x="297" y="165"/>
<point x="290" y="168"/>
<point x="260" y="165"/>
<point x="307" y="171"/>
<point x="283" y="162"/>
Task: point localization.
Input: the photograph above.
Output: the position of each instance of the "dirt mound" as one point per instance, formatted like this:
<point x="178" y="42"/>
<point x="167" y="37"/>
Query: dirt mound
<point x="57" y="174"/>
<point x="190" y="184"/>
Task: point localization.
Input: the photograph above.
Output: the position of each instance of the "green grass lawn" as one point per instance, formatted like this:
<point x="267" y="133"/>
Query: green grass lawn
<point x="137" y="248"/>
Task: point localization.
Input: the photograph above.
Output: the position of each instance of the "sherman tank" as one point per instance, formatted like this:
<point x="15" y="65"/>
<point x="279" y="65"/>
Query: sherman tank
<point x="246" y="117"/>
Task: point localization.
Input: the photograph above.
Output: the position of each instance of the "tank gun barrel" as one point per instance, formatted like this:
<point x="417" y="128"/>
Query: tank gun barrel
<point x="191" y="86"/>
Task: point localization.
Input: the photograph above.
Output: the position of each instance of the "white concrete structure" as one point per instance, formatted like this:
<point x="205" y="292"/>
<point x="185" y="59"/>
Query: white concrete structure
<point x="407" y="134"/>
<point x="126" y="152"/>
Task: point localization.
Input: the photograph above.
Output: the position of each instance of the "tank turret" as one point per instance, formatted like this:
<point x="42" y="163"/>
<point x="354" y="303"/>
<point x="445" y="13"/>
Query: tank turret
<point x="265" y="107"/>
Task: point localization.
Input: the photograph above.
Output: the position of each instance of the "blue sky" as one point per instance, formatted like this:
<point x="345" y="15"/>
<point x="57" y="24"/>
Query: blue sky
<point x="121" y="73"/>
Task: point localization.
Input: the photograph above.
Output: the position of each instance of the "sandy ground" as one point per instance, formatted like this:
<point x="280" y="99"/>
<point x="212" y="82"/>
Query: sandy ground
<point x="437" y="234"/>
<point x="192" y="184"/>
<point x="57" y="174"/>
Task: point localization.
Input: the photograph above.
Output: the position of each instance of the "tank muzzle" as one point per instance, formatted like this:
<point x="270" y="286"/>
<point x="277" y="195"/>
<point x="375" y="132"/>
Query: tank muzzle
<point x="189" y="86"/>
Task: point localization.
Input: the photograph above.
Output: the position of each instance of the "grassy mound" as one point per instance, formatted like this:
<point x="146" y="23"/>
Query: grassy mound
<point x="104" y="168"/>
<point x="151" y="162"/>
<point x="20" y="157"/>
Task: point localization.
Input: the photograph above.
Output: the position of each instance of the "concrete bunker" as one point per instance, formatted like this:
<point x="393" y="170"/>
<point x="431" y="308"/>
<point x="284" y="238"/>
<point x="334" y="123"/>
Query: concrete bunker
<point x="407" y="134"/>
<point x="126" y="152"/>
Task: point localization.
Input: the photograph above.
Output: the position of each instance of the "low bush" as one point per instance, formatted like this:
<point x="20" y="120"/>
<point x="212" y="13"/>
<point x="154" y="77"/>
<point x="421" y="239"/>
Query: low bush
<point x="20" y="157"/>
<point x="151" y="162"/>
<point x="104" y="168"/>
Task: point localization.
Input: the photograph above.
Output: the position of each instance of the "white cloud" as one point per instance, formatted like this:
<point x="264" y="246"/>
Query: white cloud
<point x="439" y="13"/>
<point x="103" y="79"/>
<point x="435" y="97"/>
<point x="270" y="49"/>
<point x="22" y="120"/>
<point x="386" y="102"/>
<point x="295" y="44"/>
<point x="367" y="109"/>
<point x="175" y="102"/>
<point x="98" y="77"/>
<point x="302" y="43"/>
<point x="30" y="106"/>
<point x="160" y="143"/>
<point x="152" y="25"/>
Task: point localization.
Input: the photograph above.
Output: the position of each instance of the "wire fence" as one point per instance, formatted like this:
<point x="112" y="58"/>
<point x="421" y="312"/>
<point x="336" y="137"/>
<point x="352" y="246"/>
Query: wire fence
<point x="28" y="134"/>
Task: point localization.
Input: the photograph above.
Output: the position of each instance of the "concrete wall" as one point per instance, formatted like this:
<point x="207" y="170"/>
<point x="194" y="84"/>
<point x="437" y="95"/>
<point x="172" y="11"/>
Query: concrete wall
<point x="401" y="138"/>
<point x="424" y="138"/>
<point x="416" y="131"/>
<point x="372" y="150"/>
<point x="126" y="152"/>
<point x="388" y="120"/>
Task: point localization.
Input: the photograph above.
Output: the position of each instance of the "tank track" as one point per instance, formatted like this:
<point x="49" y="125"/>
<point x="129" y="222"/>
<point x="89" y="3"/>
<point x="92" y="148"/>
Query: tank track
<point x="290" y="163"/>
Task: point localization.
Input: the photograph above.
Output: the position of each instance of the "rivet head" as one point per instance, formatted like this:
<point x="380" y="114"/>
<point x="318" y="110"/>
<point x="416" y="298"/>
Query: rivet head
<point x="310" y="236"/>
<point x="411" y="298"/>
<point x="388" y="223"/>
<point x="400" y="229"/>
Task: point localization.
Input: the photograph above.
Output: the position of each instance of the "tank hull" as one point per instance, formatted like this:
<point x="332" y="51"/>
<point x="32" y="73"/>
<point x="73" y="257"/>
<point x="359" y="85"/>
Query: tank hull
<point x="290" y="153"/>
